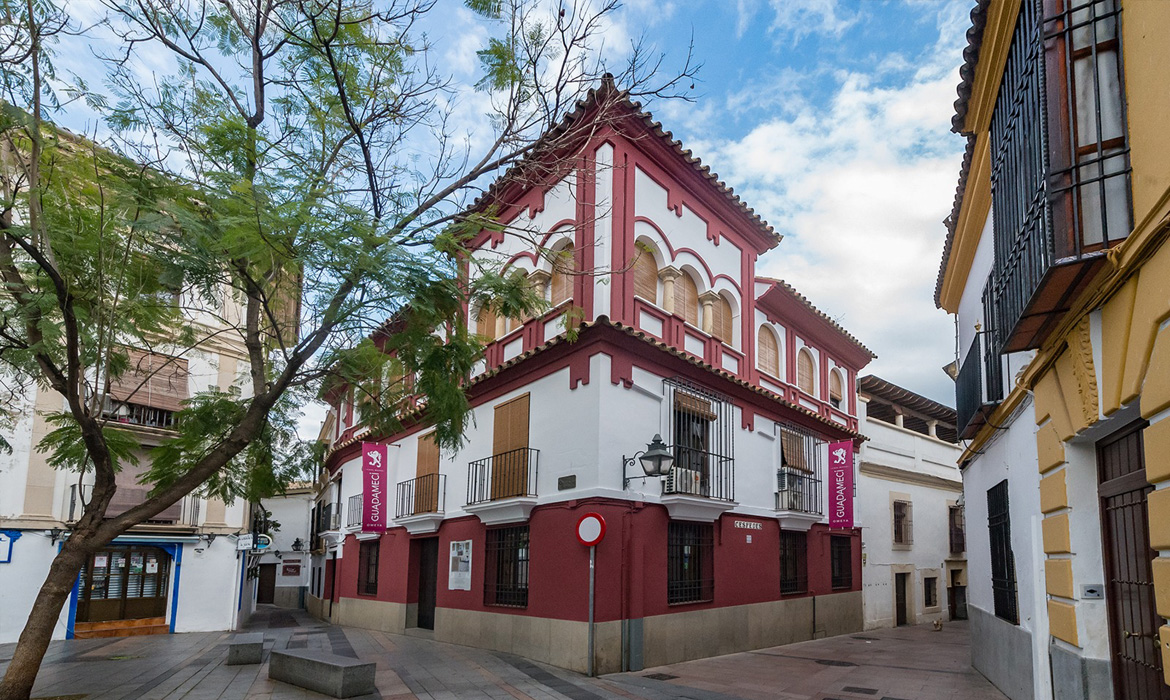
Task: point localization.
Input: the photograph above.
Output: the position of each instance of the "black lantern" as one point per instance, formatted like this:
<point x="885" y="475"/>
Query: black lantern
<point x="656" y="460"/>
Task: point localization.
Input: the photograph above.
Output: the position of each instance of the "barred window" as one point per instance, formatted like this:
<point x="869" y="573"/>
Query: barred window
<point x="701" y="431"/>
<point x="690" y="571"/>
<point x="368" y="567"/>
<point x="506" y="567"/>
<point x="841" y="553"/>
<point x="1003" y="561"/>
<point x="929" y="591"/>
<point x="793" y="562"/>
<point x="903" y="522"/>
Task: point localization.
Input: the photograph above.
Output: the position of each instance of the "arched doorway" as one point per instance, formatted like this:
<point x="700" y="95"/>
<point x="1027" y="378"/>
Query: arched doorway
<point x="123" y="590"/>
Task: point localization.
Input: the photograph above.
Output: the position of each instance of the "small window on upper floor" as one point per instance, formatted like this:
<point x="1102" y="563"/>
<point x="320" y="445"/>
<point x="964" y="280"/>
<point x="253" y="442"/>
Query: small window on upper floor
<point x="686" y="299"/>
<point x="485" y="323"/>
<point x="768" y="352"/>
<point x="563" y="269"/>
<point x="805" y="372"/>
<point x="723" y="326"/>
<point x="646" y="277"/>
<point x="835" y="392"/>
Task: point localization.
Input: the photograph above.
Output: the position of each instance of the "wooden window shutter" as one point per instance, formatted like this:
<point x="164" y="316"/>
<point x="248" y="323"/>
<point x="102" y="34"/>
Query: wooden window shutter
<point x="686" y="299"/>
<point x="722" y="328"/>
<point x="426" y="489"/>
<point x="792" y="450"/>
<point x="835" y="386"/>
<point x="805" y="370"/>
<point x="485" y="323"/>
<point x="153" y="380"/>
<point x="564" y="265"/>
<point x="768" y="352"/>
<point x="509" y="475"/>
<point x="646" y="277"/>
<point x="695" y="405"/>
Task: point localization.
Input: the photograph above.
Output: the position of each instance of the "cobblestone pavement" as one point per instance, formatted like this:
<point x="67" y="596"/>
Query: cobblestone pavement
<point x="909" y="663"/>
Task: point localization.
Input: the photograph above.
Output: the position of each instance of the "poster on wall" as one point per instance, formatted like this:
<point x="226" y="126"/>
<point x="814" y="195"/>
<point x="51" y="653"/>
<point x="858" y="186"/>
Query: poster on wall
<point x="841" y="484"/>
<point x="459" y="578"/>
<point x="290" y="570"/>
<point x="374" y="459"/>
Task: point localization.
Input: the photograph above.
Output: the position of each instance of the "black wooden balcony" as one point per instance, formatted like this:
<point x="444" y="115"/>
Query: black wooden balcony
<point x="977" y="392"/>
<point x="700" y="473"/>
<point x="798" y="491"/>
<point x="424" y="494"/>
<point x="509" y="474"/>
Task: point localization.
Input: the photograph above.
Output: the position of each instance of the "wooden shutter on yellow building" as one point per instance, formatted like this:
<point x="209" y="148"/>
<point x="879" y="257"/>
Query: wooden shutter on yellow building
<point x="686" y="299"/>
<point x="646" y="277"/>
<point x="426" y="490"/>
<point x="769" y="352"/>
<point x="509" y="451"/>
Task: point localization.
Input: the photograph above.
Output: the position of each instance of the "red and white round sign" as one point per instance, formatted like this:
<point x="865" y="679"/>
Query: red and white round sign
<point x="590" y="529"/>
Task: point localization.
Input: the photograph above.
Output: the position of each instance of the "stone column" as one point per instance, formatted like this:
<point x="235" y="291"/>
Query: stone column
<point x="707" y="301"/>
<point x="668" y="275"/>
<point x="540" y="279"/>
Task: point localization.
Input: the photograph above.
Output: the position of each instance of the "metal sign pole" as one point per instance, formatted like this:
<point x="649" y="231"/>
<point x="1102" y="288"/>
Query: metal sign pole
<point x="592" y="562"/>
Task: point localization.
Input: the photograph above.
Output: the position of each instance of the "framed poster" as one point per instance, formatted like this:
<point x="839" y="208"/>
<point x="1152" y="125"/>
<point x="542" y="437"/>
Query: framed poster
<point x="459" y="576"/>
<point x="290" y="569"/>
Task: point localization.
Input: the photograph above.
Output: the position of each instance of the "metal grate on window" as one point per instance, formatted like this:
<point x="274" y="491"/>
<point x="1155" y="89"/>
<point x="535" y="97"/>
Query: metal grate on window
<point x="690" y="571"/>
<point x="1003" y="562"/>
<point x="903" y="522"/>
<point x="506" y="567"/>
<point x="701" y="430"/>
<point x="793" y="562"/>
<point x="841" y="554"/>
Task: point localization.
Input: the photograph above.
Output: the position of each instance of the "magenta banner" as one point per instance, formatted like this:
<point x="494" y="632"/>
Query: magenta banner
<point x="841" y="484"/>
<point x="374" y="502"/>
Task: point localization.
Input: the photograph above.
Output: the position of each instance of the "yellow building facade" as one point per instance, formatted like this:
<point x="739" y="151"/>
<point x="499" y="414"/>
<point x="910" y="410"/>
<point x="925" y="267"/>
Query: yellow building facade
<point x="1057" y="269"/>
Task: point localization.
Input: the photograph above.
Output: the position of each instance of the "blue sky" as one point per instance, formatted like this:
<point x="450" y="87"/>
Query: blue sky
<point x="830" y="117"/>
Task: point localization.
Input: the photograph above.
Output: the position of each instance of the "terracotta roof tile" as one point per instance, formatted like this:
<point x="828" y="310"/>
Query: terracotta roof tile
<point x="820" y="314"/>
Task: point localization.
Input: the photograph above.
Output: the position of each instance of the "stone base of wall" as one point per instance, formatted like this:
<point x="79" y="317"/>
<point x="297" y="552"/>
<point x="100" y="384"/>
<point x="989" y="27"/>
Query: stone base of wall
<point x="1002" y="652"/>
<point x="317" y="607"/>
<point x="1076" y="678"/>
<point x="370" y="614"/>
<point x="287" y="597"/>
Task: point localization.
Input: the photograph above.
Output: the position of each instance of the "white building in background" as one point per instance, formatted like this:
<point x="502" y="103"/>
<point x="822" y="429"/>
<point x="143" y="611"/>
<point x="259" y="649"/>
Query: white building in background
<point x="913" y="563"/>
<point x="283" y="574"/>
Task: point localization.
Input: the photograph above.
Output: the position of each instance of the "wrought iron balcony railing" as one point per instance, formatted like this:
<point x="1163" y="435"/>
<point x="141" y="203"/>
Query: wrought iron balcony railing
<point x="424" y="494"/>
<point x="505" y="475"/>
<point x="798" y="491"/>
<point x="353" y="511"/>
<point x="700" y="473"/>
<point x="138" y="414"/>
<point x="978" y="386"/>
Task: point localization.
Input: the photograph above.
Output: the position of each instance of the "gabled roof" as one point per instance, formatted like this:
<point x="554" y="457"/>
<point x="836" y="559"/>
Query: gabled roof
<point x="780" y="287"/>
<point x="608" y="96"/>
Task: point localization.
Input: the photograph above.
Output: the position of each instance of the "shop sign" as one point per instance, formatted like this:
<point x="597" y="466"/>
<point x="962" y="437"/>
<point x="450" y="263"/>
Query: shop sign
<point x="841" y="484"/>
<point x="374" y="459"/>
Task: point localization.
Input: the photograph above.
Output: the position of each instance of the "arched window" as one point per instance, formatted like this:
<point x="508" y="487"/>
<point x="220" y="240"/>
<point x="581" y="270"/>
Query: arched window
<point x="723" y="324"/>
<point x="686" y="299"/>
<point x="563" y="267"/>
<point x="646" y="277"/>
<point x="805" y="371"/>
<point x="835" y="392"/>
<point x="768" y="352"/>
<point x="485" y="322"/>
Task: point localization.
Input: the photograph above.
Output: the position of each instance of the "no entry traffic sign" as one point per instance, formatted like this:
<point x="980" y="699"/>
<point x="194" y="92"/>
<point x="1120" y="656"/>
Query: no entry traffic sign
<point x="590" y="529"/>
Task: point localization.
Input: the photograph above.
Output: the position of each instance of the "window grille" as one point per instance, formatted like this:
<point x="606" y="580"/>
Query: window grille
<point x="841" y="553"/>
<point x="1003" y="561"/>
<point x="793" y="562"/>
<point x="700" y="428"/>
<point x="903" y="522"/>
<point x="690" y="571"/>
<point x="958" y="530"/>
<point x="506" y="567"/>
<point x="929" y="591"/>
<point x="368" y="567"/>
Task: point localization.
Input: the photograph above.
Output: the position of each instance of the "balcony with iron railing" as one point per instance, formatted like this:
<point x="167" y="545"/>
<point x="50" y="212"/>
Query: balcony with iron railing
<point x="957" y="530"/>
<point x="798" y="491"/>
<point x="424" y="494"/>
<point x="139" y="415"/>
<point x="353" y="511"/>
<point x="184" y="512"/>
<point x="328" y="519"/>
<point x="978" y="387"/>
<point x="700" y="473"/>
<point x="502" y="488"/>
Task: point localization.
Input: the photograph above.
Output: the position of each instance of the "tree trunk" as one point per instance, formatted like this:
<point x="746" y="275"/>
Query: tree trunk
<point x="38" y="630"/>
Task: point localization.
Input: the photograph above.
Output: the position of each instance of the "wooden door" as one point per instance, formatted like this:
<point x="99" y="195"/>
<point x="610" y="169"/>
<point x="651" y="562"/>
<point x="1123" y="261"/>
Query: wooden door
<point x="900" y="599"/>
<point x="426" y="485"/>
<point x="428" y="577"/>
<point x="1133" y="619"/>
<point x="266" y="588"/>
<point x="510" y="449"/>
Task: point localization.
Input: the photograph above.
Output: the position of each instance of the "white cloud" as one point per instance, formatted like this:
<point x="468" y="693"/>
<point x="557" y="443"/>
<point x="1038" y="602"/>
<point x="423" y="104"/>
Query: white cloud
<point x="799" y="19"/>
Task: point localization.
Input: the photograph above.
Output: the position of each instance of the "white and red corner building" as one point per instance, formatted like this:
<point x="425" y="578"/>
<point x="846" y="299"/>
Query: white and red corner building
<point x="744" y="380"/>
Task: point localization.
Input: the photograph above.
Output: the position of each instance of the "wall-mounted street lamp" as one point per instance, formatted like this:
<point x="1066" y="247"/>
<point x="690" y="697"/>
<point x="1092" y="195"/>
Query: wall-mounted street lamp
<point x="298" y="545"/>
<point x="656" y="459"/>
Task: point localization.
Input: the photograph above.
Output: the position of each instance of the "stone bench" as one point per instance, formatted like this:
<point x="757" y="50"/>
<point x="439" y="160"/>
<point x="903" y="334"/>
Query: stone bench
<point x="330" y="674"/>
<point x="246" y="649"/>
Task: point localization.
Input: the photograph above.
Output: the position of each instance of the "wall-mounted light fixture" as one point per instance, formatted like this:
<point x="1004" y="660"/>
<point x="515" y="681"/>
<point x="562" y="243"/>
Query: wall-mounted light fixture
<point x="298" y="545"/>
<point x="656" y="460"/>
<point x="208" y="537"/>
<point x="55" y="534"/>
